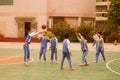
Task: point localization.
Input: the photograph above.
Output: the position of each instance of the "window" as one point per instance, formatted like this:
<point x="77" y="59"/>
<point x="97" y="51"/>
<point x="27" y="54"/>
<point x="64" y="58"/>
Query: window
<point x="87" y="21"/>
<point x="101" y="0"/>
<point x="6" y="2"/>
<point x="101" y="8"/>
<point x="58" y="19"/>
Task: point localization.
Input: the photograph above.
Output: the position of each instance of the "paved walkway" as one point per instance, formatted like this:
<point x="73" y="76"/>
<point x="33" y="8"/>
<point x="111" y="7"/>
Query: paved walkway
<point x="74" y="46"/>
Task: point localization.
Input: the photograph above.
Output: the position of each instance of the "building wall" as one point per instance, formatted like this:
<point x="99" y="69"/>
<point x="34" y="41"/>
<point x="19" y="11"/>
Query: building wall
<point x="25" y="8"/>
<point x="13" y="17"/>
<point x="7" y="26"/>
<point x="81" y="8"/>
<point x="21" y="8"/>
<point x="72" y="10"/>
<point x="72" y="21"/>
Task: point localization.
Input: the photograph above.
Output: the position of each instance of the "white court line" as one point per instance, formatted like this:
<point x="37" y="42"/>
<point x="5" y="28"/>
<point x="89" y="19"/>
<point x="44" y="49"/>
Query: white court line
<point x="16" y="63"/>
<point x="11" y="57"/>
<point x="107" y="66"/>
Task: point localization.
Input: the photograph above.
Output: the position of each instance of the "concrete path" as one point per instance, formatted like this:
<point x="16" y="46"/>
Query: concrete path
<point x="74" y="46"/>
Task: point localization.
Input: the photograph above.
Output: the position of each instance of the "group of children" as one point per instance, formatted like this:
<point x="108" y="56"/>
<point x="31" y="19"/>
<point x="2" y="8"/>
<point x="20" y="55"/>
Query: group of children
<point x="66" y="52"/>
<point x="53" y="47"/>
<point x="44" y="40"/>
<point x="99" y="41"/>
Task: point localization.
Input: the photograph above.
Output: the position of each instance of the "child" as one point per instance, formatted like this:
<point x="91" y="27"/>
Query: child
<point x="95" y="37"/>
<point x="84" y="49"/>
<point x="53" y="47"/>
<point x="100" y="47"/>
<point x="26" y="46"/>
<point x="44" y="39"/>
<point x="66" y="52"/>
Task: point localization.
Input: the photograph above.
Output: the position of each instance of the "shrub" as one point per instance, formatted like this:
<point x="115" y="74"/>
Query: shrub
<point x="112" y="33"/>
<point x="113" y="36"/>
<point x="62" y="28"/>
<point x="49" y="34"/>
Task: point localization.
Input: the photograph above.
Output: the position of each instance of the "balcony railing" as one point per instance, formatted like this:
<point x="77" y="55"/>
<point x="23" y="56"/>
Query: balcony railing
<point x="101" y="3"/>
<point x="99" y="10"/>
<point x="101" y="18"/>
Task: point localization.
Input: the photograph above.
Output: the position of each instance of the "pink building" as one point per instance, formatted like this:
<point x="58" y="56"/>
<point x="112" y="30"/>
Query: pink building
<point x="17" y="17"/>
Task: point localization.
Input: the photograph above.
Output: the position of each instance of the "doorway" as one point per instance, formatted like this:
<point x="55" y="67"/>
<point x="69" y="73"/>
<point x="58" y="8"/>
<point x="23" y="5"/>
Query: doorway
<point x="27" y="28"/>
<point x="25" y="24"/>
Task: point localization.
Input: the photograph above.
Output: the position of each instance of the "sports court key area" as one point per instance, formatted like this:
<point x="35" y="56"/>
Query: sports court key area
<point x="46" y="71"/>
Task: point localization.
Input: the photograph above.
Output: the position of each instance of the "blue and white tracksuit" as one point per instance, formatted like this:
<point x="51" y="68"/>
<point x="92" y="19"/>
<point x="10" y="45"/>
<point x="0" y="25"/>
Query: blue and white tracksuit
<point x="26" y="45"/>
<point x="26" y="48"/>
<point x="53" y="47"/>
<point x="66" y="53"/>
<point x="84" y="49"/>
<point x="100" y="46"/>
<point x="44" y="40"/>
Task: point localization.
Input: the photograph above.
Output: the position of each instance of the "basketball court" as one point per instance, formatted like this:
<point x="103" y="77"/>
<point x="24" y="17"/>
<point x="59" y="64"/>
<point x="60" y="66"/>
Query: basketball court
<point x="12" y="66"/>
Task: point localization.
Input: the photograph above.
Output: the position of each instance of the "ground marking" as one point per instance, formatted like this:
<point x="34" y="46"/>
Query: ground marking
<point x="13" y="57"/>
<point x="107" y="66"/>
<point x="17" y="63"/>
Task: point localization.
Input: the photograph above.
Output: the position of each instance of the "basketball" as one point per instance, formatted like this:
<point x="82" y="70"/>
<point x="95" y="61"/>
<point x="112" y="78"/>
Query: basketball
<point x="43" y="26"/>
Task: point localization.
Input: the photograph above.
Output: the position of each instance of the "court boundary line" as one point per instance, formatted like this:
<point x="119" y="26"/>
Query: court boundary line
<point x="10" y="57"/>
<point x="16" y="62"/>
<point x="107" y="66"/>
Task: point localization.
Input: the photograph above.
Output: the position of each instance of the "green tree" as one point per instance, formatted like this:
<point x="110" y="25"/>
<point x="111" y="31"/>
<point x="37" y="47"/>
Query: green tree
<point x="114" y="20"/>
<point x="114" y="15"/>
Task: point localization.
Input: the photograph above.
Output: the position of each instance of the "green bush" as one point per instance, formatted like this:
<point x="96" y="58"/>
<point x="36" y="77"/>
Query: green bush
<point x="113" y="36"/>
<point x="49" y="34"/>
<point x="62" y="28"/>
<point x="73" y="36"/>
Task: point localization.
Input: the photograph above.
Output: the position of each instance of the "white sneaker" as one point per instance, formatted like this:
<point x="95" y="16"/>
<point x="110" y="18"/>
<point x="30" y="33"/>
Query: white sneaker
<point x="29" y="61"/>
<point x="51" y="61"/>
<point x="44" y="61"/>
<point x="27" y="64"/>
<point x="81" y="64"/>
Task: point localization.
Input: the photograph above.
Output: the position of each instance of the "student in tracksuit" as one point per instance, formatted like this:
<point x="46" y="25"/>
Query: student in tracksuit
<point x="44" y="40"/>
<point x="95" y="37"/>
<point x="53" y="48"/>
<point x="84" y="49"/>
<point x="100" y="47"/>
<point x="66" y="52"/>
<point x="26" y="46"/>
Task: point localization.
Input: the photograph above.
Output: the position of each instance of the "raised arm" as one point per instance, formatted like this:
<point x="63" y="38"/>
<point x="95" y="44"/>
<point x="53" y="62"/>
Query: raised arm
<point x="81" y="36"/>
<point x="78" y="35"/>
<point x="34" y="33"/>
